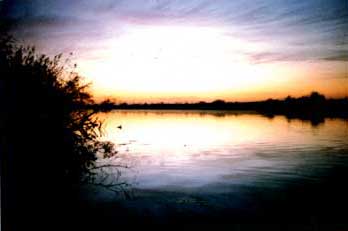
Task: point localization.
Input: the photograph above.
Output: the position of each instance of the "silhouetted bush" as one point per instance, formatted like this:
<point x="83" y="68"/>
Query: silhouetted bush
<point x="49" y="140"/>
<point x="52" y="98"/>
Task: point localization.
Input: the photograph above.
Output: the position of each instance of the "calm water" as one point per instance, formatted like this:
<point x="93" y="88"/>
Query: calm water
<point x="201" y="162"/>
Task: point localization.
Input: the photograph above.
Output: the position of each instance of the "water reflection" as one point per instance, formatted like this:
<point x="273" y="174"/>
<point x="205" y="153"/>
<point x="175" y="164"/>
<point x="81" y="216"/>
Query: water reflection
<point x="222" y="167"/>
<point x="176" y="150"/>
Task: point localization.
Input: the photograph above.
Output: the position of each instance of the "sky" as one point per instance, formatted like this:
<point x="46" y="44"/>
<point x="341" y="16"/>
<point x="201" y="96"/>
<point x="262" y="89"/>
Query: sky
<point x="190" y="50"/>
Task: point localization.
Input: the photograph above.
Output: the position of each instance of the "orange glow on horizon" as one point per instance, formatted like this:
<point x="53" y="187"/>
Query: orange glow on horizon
<point x="187" y="64"/>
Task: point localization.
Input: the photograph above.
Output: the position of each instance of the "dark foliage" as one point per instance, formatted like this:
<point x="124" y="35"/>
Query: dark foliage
<point x="48" y="137"/>
<point x="315" y="107"/>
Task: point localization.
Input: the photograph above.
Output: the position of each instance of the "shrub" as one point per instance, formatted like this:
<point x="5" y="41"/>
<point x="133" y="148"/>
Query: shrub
<point x="47" y="130"/>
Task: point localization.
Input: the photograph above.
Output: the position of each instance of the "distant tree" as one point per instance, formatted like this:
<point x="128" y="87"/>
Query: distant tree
<point x="289" y="99"/>
<point x="316" y="97"/>
<point x="219" y="101"/>
<point x="106" y="105"/>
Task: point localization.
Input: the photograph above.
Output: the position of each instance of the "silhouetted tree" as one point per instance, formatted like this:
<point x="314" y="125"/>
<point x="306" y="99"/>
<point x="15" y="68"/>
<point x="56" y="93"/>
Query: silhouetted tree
<point x="54" y="97"/>
<point x="49" y="140"/>
<point x="219" y="102"/>
<point x="316" y="97"/>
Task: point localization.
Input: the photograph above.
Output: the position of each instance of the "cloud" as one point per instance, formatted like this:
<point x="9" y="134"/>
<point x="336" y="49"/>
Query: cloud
<point x="270" y="57"/>
<point x="340" y="56"/>
<point x="294" y="30"/>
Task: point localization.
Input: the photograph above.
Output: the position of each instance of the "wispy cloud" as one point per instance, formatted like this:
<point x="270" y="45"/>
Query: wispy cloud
<point x="295" y="30"/>
<point x="340" y="56"/>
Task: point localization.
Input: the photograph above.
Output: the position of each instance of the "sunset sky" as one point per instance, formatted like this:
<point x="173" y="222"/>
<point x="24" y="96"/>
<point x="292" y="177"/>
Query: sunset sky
<point x="189" y="50"/>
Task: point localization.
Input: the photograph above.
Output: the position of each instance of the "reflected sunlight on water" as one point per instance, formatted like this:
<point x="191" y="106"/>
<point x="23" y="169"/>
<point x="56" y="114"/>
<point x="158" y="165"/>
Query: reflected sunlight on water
<point x="176" y="150"/>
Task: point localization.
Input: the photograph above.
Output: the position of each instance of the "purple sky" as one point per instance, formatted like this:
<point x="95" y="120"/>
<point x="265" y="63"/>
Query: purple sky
<point x="282" y="31"/>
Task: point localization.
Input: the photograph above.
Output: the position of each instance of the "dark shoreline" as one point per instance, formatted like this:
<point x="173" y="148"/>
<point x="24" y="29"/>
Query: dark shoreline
<point x="312" y="107"/>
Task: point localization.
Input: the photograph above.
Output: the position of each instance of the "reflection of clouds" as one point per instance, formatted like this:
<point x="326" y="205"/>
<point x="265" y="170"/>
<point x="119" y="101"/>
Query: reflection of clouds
<point x="191" y="150"/>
